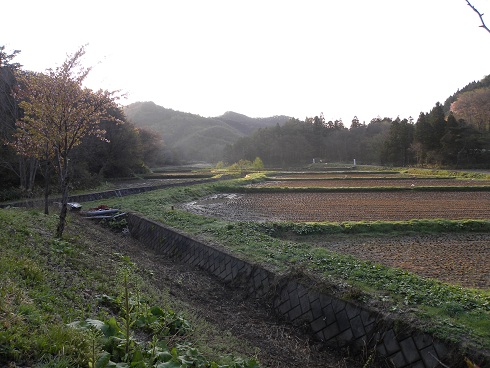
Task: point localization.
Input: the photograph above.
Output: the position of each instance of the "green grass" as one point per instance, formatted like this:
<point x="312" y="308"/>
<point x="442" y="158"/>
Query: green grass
<point x="47" y="283"/>
<point x="382" y="227"/>
<point x="448" y="173"/>
<point x="433" y="304"/>
<point x="29" y="294"/>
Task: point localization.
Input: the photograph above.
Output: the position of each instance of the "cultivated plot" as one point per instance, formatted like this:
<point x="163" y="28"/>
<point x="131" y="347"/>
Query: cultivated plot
<point x="342" y="207"/>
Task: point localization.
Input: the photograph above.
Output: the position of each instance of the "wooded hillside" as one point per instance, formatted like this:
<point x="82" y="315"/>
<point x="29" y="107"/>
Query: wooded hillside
<point x="190" y="137"/>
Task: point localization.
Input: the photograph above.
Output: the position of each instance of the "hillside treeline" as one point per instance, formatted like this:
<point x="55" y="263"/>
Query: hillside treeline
<point x="126" y="150"/>
<point x="435" y="138"/>
<point x="191" y="137"/>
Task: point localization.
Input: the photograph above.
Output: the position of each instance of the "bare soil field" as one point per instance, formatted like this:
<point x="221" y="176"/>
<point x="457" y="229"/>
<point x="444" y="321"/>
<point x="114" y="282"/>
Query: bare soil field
<point x="350" y="175"/>
<point x="460" y="259"/>
<point x="339" y="175"/>
<point x="341" y="207"/>
<point x="370" y="182"/>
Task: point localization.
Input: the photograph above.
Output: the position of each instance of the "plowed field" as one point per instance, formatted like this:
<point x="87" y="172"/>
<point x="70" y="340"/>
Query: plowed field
<point x="340" y="207"/>
<point x="460" y="259"/>
<point x="340" y="175"/>
<point x="371" y="182"/>
<point x="454" y="258"/>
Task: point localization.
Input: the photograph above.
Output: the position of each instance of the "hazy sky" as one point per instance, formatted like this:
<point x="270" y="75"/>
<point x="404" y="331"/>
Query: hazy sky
<point x="262" y="57"/>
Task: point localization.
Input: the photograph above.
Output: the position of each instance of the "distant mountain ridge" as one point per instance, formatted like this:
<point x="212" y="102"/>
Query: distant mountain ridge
<point x="191" y="137"/>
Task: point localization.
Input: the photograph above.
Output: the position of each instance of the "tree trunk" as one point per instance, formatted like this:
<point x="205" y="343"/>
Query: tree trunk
<point x="64" y="206"/>
<point x="32" y="163"/>
<point x="46" y="187"/>
<point x="64" y="178"/>
<point x="22" y="173"/>
<point x="27" y="173"/>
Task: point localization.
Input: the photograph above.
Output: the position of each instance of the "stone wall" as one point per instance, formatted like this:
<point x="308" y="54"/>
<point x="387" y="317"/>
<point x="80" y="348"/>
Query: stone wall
<point x="338" y="323"/>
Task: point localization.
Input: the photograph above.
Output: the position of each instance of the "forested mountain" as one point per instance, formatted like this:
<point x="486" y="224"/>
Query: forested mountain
<point x="248" y="125"/>
<point x="190" y="137"/>
<point x="456" y="134"/>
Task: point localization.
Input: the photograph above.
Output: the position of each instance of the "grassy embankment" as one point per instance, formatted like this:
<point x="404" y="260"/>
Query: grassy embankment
<point x="450" y="312"/>
<point x="80" y="302"/>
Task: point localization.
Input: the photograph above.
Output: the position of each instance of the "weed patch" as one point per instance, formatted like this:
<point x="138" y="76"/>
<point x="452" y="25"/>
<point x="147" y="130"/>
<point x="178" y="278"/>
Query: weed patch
<point x="46" y="284"/>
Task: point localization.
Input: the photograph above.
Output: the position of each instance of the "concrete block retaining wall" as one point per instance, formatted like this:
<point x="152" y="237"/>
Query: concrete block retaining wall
<point x="338" y="323"/>
<point x="29" y="203"/>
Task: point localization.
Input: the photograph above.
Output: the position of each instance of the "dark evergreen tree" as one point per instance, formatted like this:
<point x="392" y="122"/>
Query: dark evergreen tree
<point x="462" y="145"/>
<point x="437" y="120"/>
<point x="423" y="138"/>
<point x="15" y="170"/>
<point x="355" y="123"/>
<point x="396" y="150"/>
<point x="376" y="134"/>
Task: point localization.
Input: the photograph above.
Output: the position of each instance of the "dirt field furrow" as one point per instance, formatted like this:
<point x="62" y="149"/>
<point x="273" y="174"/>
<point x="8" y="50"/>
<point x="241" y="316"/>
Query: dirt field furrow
<point x="371" y="182"/>
<point x="454" y="258"/>
<point x="341" y="207"/>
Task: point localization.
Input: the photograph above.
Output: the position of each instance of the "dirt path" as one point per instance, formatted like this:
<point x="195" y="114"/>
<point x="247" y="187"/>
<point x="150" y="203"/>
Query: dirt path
<point x="229" y="310"/>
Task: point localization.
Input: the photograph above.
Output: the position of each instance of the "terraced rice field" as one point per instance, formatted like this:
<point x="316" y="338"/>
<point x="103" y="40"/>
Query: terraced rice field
<point x="341" y="207"/>
<point x="460" y="259"/>
<point x="351" y="182"/>
<point x="342" y="175"/>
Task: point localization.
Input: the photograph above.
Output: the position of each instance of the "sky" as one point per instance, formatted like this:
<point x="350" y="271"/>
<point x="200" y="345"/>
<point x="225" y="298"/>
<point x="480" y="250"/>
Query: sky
<point x="260" y="58"/>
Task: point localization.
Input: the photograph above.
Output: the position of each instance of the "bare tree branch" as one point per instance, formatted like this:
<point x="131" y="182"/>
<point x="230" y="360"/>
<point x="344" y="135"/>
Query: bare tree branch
<point x="480" y="15"/>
